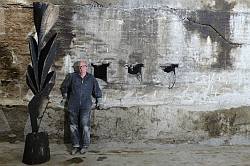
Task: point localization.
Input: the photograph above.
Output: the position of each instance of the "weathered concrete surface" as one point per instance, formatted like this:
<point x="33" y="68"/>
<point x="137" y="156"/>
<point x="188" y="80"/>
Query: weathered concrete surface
<point x="208" y="39"/>
<point x="212" y="152"/>
<point x="157" y="124"/>
<point x="213" y="69"/>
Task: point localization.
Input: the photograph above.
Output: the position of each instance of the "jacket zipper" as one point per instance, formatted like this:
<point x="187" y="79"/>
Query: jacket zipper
<point x="81" y="93"/>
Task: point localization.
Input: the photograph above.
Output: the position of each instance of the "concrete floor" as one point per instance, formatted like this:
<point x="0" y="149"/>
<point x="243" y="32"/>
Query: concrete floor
<point x="111" y="153"/>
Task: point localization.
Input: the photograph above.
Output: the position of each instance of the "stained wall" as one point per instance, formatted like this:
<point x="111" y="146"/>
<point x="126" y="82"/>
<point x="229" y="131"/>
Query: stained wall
<point x="207" y="40"/>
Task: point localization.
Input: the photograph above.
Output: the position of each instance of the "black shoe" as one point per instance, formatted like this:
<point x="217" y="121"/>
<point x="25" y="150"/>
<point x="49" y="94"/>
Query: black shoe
<point x="84" y="150"/>
<point x="74" y="151"/>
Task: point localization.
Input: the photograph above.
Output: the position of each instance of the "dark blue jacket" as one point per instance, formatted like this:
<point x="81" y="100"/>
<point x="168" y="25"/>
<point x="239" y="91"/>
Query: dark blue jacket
<point x="80" y="90"/>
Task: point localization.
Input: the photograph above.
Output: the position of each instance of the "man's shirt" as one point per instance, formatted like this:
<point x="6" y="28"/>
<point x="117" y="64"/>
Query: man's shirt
<point x="80" y="90"/>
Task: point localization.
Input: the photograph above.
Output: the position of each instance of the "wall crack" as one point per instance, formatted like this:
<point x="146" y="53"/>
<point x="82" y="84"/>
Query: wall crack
<point x="210" y="26"/>
<point x="182" y="18"/>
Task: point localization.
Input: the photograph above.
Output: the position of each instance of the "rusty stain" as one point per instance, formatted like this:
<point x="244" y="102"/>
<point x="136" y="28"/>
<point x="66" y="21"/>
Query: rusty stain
<point x="229" y="121"/>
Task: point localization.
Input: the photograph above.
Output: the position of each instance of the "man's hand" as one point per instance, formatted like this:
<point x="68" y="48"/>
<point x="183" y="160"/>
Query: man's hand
<point x="99" y="103"/>
<point x="64" y="100"/>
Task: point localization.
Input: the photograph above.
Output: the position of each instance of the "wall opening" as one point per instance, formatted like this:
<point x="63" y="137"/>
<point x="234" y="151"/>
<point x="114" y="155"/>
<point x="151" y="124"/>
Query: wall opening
<point x="100" y="71"/>
<point x="135" y="69"/>
<point x="170" y="69"/>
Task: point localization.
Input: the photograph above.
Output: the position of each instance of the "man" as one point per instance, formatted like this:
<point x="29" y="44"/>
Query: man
<point x="80" y="86"/>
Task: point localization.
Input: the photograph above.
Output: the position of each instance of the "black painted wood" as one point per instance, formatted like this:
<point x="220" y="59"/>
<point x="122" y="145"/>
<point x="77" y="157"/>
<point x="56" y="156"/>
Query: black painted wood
<point x="36" y="149"/>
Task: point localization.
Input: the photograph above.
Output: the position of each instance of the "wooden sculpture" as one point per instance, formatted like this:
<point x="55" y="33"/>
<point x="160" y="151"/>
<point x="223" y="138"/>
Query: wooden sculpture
<point x="40" y="81"/>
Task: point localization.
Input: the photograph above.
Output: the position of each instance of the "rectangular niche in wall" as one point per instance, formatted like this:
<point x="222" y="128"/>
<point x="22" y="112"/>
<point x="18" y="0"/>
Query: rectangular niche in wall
<point x="136" y="70"/>
<point x="100" y="71"/>
<point x="170" y="69"/>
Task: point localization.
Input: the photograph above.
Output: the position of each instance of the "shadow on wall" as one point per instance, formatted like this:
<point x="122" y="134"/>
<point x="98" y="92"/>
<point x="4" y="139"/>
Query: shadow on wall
<point x="66" y="138"/>
<point x="16" y="118"/>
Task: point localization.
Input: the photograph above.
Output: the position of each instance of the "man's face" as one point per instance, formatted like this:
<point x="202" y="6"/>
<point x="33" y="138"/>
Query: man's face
<point x="83" y="67"/>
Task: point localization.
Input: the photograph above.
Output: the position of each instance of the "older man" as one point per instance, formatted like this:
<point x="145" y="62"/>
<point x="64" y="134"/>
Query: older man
<point x="80" y="86"/>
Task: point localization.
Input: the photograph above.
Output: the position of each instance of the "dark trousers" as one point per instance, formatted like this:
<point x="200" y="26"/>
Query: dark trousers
<point x="80" y="124"/>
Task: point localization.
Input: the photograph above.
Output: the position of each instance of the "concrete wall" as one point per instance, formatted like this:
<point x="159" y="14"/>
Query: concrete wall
<point x="209" y="40"/>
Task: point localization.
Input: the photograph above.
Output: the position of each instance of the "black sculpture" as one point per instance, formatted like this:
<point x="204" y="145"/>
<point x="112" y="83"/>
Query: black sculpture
<point x="40" y="81"/>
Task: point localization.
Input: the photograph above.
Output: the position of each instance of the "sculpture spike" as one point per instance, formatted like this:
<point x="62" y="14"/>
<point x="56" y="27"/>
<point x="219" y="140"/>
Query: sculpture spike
<point x="46" y="58"/>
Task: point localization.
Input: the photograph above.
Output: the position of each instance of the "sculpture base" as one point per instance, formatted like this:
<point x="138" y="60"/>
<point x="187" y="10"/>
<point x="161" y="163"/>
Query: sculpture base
<point x="36" y="149"/>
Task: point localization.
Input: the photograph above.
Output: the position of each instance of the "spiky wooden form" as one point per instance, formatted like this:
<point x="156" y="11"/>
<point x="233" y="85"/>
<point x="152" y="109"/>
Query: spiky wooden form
<point x="40" y="80"/>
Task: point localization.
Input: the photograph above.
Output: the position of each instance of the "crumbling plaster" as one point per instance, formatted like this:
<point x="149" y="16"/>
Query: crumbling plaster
<point x="209" y="40"/>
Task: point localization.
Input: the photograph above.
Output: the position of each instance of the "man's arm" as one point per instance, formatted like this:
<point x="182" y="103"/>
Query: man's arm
<point x="97" y="94"/>
<point x="65" y="86"/>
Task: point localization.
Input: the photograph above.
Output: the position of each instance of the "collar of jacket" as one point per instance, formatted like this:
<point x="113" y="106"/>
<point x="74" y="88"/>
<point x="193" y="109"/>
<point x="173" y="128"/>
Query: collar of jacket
<point x="86" y="75"/>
